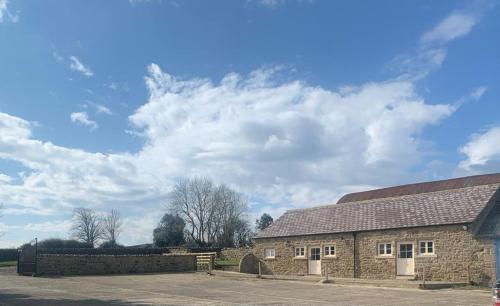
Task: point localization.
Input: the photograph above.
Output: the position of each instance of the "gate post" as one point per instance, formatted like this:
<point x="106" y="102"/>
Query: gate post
<point x="36" y="257"/>
<point x="17" y="261"/>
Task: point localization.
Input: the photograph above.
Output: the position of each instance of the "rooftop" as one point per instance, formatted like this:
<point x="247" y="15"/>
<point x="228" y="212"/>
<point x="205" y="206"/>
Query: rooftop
<point x="454" y="201"/>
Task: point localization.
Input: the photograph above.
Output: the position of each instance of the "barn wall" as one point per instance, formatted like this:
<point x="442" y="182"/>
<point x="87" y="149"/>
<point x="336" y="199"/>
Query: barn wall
<point x="459" y="256"/>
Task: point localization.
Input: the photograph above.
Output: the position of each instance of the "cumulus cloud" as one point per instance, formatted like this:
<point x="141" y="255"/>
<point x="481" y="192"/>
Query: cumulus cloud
<point x="283" y="143"/>
<point x="77" y="65"/>
<point x="482" y="152"/>
<point x="287" y="144"/>
<point x="83" y="119"/>
<point x="271" y="138"/>
<point x="59" y="178"/>
<point x="4" y="178"/>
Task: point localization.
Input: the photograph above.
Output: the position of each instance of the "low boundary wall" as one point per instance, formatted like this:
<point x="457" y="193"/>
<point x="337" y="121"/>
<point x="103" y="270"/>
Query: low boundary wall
<point x="64" y="264"/>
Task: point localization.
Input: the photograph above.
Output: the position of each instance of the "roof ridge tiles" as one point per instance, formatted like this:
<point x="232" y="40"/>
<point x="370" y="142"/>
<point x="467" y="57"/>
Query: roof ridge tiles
<point x="421" y="187"/>
<point x="381" y="199"/>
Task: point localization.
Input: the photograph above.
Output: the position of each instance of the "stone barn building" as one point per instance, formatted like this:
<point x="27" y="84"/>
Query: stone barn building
<point x="445" y="230"/>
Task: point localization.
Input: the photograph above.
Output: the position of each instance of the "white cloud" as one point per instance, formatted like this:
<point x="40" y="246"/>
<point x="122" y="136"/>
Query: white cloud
<point x="456" y="25"/>
<point x="5" y="13"/>
<point x="271" y="3"/>
<point x="289" y="144"/>
<point x="276" y="3"/>
<point x="482" y="152"/>
<point x="134" y="2"/>
<point x="270" y="138"/>
<point x="285" y="144"/>
<point x="76" y="65"/>
<point x="99" y="108"/>
<point x="50" y="227"/>
<point x="58" y="57"/>
<point x="4" y="178"/>
<point x="60" y="178"/>
<point x="83" y="118"/>
<point x="478" y="92"/>
<point x="431" y="52"/>
<point x="13" y="127"/>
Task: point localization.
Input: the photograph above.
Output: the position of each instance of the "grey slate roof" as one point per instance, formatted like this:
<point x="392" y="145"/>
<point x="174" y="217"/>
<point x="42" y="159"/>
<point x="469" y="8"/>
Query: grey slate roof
<point x="454" y="206"/>
<point x="424" y="187"/>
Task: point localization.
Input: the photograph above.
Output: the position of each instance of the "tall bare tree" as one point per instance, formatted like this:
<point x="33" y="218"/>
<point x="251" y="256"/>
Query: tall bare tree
<point x="112" y="226"/>
<point x="87" y="226"/>
<point x="213" y="213"/>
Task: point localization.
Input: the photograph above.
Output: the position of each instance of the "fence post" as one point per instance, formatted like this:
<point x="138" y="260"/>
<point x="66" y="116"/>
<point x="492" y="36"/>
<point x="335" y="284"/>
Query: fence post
<point x="210" y="263"/>
<point x="18" y="261"/>
<point x="36" y="256"/>
<point x="260" y="270"/>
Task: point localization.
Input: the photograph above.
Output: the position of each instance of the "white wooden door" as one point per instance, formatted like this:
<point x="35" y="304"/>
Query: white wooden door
<point x="315" y="260"/>
<point x="406" y="260"/>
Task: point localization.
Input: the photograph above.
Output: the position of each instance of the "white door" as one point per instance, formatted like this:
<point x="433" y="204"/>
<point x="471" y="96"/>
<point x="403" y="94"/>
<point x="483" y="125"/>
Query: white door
<point x="406" y="260"/>
<point x="315" y="260"/>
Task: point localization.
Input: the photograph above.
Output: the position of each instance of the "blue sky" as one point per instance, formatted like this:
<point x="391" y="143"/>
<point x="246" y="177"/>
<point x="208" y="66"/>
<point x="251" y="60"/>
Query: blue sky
<point x="106" y="104"/>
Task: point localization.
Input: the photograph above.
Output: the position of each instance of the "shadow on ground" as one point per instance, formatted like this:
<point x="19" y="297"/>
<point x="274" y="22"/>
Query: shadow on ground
<point x="14" y="299"/>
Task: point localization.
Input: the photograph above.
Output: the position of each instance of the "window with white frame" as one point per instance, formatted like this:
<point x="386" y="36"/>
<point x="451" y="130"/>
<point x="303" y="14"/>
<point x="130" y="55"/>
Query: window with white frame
<point x="269" y="253"/>
<point x="427" y="247"/>
<point x="384" y="249"/>
<point x="300" y="252"/>
<point x="330" y="250"/>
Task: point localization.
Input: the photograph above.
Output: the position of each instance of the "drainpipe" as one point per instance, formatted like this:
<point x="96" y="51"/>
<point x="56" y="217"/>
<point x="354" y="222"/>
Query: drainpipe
<point x="354" y="254"/>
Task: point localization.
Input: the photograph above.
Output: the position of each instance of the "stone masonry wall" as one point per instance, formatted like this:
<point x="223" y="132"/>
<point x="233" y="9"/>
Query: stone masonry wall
<point x="286" y="263"/>
<point x="113" y="264"/>
<point x="458" y="255"/>
<point x="234" y="253"/>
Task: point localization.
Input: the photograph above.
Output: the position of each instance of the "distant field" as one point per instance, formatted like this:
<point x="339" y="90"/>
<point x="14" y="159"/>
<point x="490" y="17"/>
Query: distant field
<point x="8" y="264"/>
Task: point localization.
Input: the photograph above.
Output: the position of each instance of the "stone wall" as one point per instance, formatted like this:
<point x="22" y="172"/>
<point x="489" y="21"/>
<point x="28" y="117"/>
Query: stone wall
<point x="113" y="264"/>
<point x="234" y="253"/>
<point x="285" y="261"/>
<point x="458" y="255"/>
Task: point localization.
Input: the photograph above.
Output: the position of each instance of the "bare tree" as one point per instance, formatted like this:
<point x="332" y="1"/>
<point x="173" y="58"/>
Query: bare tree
<point x="112" y="226"/>
<point x="213" y="214"/>
<point x="87" y="226"/>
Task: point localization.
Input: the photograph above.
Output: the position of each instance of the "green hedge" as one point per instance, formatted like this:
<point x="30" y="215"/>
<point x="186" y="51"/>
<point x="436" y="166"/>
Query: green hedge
<point x="8" y="254"/>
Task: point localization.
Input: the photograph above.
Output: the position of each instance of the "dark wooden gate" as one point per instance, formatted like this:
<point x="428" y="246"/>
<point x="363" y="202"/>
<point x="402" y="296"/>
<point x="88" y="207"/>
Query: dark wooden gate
<point x="26" y="258"/>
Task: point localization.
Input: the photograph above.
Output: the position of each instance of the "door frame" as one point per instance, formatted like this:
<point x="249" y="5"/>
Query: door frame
<point x="412" y="256"/>
<point x="309" y="259"/>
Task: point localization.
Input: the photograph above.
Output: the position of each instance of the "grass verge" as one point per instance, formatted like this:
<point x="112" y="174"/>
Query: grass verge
<point x="232" y="262"/>
<point x="8" y="264"/>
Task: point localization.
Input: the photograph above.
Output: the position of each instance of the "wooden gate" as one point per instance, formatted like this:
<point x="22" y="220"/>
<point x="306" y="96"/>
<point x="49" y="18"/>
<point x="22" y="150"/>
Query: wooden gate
<point x="205" y="261"/>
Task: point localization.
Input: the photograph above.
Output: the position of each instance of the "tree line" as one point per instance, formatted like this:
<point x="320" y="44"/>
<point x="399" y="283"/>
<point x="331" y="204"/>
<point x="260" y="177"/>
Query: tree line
<point x="202" y="213"/>
<point x="199" y="213"/>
